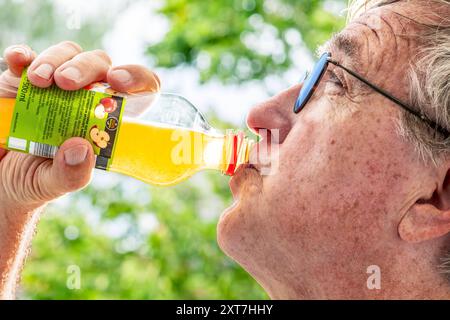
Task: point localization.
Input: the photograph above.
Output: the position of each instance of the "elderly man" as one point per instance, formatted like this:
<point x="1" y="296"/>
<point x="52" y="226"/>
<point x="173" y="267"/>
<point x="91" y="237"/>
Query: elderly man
<point x="359" y="207"/>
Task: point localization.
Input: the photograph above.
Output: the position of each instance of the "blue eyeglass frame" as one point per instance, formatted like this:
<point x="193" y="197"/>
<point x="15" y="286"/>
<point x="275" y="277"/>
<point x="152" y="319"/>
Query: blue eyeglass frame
<point x="313" y="79"/>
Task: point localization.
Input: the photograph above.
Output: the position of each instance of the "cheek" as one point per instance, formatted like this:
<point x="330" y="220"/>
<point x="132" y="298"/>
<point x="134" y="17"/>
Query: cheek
<point x="336" y="179"/>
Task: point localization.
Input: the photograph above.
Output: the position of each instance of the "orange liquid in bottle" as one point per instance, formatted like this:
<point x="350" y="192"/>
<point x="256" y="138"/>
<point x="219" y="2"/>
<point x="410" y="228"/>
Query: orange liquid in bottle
<point x="158" y="154"/>
<point x="165" y="155"/>
<point x="6" y="112"/>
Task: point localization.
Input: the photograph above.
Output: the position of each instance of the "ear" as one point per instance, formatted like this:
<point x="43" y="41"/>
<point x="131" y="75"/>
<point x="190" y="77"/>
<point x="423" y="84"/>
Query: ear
<point x="428" y="219"/>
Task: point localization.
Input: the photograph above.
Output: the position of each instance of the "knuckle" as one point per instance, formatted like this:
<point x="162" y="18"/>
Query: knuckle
<point x="25" y="46"/>
<point x="70" y="45"/>
<point x="9" y="49"/>
<point x="102" y="55"/>
<point x="83" y="63"/>
<point x="21" y="46"/>
<point x="91" y="60"/>
<point x="47" y="58"/>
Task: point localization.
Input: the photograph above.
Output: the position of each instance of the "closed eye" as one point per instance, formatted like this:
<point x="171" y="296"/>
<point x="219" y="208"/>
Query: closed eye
<point x="334" y="84"/>
<point x="332" y="77"/>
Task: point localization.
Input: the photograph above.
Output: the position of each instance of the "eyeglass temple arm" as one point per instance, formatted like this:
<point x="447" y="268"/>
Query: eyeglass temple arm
<point x="392" y="98"/>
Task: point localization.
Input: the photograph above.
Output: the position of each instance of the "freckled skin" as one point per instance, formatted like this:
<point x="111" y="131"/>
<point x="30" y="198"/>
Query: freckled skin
<point x="345" y="181"/>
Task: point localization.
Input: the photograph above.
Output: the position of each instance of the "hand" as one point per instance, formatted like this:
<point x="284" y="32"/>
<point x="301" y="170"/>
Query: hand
<point x="28" y="182"/>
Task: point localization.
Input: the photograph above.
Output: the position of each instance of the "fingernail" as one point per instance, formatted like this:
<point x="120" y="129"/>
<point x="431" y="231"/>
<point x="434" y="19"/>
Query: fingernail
<point x="122" y="75"/>
<point x="72" y="73"/>
<point x="21" y="51"/>
<point x="44" y="71"/>
<point x="76" y="155"/>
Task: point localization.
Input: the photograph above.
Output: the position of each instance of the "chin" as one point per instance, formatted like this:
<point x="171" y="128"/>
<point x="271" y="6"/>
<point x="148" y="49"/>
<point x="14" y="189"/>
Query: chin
<point x="240" y="234"/>
<point x="236" y="227"/>
<point x="228" y="228"/>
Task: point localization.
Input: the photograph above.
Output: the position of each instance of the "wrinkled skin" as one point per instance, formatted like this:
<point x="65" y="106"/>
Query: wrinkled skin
<point x="349" y="191"/>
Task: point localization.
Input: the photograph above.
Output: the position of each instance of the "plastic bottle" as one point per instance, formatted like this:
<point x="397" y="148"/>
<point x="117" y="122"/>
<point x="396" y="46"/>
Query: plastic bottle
<point x="162" y="144"/>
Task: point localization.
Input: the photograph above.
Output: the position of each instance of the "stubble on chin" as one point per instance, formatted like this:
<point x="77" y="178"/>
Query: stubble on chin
<point x="237" y="224"/>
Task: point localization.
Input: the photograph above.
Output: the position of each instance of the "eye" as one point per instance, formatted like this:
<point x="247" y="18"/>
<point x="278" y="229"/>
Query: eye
<point x="334" y="85"/>
<point x="333" y="78"/>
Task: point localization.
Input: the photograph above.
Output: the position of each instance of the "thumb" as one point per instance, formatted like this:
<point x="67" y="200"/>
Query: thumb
<point x="71" y="168"/>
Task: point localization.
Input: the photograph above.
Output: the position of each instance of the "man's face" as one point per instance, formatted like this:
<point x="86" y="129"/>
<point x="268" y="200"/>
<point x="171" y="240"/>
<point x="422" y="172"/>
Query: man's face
<point x="345" y="177"/>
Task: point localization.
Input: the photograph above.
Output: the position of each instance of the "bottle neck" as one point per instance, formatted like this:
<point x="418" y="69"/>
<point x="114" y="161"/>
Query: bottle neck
<point x="226" y="153"/>
<point x="236" y="151"/>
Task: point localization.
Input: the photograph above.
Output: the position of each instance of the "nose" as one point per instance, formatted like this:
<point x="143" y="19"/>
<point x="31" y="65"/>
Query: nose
<point x="275" y="114"/>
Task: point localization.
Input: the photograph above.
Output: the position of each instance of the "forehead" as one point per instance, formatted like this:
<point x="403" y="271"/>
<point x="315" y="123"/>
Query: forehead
<point x="398" y="20"/>
<point x="380" y="29"/>
<point x="378" y="44"/>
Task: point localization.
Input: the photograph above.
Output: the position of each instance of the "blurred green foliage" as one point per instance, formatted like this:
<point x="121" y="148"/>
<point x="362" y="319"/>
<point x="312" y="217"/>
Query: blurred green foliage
<point x="241" y="40"/>
<point x="43" y="23"/>
<point x="148" y="243"/>
<point x="134" y="241"/>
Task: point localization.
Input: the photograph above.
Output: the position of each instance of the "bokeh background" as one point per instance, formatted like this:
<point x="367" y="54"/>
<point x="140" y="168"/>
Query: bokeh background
<point x="129" y="240"/>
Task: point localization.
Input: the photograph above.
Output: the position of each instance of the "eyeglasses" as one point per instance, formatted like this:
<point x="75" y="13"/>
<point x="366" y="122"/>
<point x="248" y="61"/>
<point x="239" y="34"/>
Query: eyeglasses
<point x="312" y="81"/>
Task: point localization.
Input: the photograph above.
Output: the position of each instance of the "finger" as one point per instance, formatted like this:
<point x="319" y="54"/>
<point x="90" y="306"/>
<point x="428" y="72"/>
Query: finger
<point x="18" y="57"/>
<point x="133" y="78"/>
<point x="71" y="169"/>
<point x="83" y="69"/>
<point x="43" y="67"/>
<point x="9" y="84"/>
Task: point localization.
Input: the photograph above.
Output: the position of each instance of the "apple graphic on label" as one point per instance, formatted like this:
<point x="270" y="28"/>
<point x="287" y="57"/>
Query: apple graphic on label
<point x="99" y="137"/>
<point x="100" y="111"/>
<point x="110" y="104"/>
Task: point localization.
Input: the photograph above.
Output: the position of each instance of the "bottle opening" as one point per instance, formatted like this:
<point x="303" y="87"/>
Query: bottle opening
<point x="238" y="149"/>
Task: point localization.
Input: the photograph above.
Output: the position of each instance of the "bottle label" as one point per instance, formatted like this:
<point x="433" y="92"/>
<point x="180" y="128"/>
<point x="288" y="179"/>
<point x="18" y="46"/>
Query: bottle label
<point x="44" y="118"/>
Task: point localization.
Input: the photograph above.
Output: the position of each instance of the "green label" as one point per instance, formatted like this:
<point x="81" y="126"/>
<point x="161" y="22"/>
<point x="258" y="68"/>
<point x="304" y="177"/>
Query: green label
<point x="44" y="118"/>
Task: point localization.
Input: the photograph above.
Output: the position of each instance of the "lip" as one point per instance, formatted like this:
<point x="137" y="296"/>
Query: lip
<point x="243" y="173"/>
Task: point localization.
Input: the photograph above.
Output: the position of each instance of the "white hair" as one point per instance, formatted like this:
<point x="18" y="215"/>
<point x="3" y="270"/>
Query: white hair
<point x="429" y="85"/>
<point x="429" y="78"/>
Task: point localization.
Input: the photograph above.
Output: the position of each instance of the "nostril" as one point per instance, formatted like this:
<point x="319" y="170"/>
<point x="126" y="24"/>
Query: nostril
<point x="265" y="135"/>
<point x="258" y="132"/>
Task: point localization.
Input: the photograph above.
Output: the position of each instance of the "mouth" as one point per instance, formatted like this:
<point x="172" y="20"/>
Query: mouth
<point x="243" y="183"/>
<point x="243" y="174"/>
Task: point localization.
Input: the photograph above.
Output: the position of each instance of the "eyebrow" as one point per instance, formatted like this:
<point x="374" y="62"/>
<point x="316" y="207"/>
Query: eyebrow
<point x="346" y="44"/>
